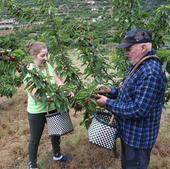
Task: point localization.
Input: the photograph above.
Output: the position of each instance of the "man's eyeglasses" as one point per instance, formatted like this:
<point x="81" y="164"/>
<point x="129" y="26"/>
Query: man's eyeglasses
<point x="128" y="49"/>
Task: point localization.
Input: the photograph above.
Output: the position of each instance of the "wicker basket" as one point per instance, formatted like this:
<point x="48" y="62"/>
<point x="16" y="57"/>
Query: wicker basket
<point x="59" y="123"/>
<point x="103" y="130"/>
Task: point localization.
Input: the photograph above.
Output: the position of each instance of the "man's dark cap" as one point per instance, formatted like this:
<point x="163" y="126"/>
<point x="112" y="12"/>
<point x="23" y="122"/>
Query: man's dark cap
<point x="135" y="36"/>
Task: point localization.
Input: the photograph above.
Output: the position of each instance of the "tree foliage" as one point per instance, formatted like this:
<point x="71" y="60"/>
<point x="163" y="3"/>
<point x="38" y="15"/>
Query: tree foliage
<point x="63" y="35"/>
<point x="129" y="15"/>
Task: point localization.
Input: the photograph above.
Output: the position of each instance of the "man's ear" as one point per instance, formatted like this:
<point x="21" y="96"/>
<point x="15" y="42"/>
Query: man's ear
<point x="144" y="48"/>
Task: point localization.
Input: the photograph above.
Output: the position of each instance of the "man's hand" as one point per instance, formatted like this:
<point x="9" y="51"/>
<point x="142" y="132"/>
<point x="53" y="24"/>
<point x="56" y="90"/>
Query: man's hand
<point x="101" y="101"/>
<point x="101" y="89"/>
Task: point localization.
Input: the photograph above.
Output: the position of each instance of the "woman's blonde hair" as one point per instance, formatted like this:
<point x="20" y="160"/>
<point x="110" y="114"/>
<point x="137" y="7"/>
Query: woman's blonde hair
<point x="34" y="48"/>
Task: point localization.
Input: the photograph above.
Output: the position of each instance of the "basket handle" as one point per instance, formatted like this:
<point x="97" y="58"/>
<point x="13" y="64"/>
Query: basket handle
<point x="48" y="75"/>
<point x="47" y="107"/>
<point x="111" y="119"/>
<point x="140" y="62"/>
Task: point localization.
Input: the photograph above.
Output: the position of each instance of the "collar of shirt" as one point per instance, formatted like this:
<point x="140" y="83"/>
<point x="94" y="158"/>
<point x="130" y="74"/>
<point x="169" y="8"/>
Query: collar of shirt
<point x="152" y="52"/>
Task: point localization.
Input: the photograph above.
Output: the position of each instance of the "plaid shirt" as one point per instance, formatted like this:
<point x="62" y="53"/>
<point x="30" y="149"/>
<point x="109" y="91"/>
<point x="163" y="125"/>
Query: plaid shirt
<point x="139" y="105"/>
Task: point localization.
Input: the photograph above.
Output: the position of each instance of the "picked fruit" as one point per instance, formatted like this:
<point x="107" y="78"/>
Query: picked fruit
<point x="95" y="96"/>
<point x="102" y="89"/>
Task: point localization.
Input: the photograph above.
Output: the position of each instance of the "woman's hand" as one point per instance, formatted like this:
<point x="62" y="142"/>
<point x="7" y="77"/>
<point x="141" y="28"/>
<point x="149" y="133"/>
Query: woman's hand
<point x="70" y="95"/>
<point x="57" y="80"/>
<point x="49" y="100"/>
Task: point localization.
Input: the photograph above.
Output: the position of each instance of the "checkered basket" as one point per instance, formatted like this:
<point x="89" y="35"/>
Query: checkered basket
<point x="103" y="130"/>
<point x="59" y="123"/>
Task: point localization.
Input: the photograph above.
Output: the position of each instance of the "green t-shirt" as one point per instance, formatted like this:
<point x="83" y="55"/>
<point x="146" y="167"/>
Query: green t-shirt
<point x="34" y="106"/>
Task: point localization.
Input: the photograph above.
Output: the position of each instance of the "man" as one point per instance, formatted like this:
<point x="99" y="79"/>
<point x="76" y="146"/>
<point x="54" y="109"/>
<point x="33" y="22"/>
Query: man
<point x="138" y="104"/>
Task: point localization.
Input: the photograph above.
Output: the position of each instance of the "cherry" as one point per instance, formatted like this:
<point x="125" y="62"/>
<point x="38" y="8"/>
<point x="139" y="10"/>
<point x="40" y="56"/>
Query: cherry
<point x="12" y="58"/>
<point x="78" y="107"/>
<point x="87" y="102"/>
<point x="6" y="59"/>
<point x="18" y="69"/>
<point x="5" y="52"/>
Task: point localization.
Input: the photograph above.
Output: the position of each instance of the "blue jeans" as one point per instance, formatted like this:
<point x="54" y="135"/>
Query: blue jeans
<point x="134" y="158"/>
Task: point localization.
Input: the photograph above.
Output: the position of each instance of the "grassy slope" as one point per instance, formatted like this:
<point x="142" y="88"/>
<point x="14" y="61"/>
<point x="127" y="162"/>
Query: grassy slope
<point x="14" y="138"/>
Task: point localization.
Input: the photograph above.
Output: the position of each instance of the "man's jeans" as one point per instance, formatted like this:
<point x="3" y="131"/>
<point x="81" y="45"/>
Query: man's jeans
<point x="134" y="158"/>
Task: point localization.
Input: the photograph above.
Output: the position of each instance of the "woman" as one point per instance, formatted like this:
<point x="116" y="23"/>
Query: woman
<point x="37" y="109"/>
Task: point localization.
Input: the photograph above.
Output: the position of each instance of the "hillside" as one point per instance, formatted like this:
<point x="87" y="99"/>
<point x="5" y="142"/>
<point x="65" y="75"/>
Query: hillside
<point x="14" y="140"/>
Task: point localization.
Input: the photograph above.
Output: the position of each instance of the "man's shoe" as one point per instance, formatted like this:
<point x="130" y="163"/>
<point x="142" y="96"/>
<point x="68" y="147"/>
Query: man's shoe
<point x="62" y="158"/>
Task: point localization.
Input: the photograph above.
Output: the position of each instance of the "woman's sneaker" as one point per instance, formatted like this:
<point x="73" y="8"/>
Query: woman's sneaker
<point x="32" y="166"/>
<point x="62" y="158"/>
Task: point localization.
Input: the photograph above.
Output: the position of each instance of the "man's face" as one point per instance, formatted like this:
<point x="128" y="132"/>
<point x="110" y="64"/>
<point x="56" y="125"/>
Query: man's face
<point x="135" y="53"/>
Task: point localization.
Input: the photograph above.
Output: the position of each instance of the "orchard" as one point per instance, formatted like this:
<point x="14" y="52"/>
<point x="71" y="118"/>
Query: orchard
<point x="101" y="65"/>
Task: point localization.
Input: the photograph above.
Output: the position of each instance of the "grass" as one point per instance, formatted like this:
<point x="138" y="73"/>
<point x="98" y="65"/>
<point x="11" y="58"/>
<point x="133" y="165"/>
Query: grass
<point x="14" y="142"/>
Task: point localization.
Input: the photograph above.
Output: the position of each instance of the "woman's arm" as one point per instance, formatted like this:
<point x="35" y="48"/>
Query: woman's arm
<point x="57" y="79"/>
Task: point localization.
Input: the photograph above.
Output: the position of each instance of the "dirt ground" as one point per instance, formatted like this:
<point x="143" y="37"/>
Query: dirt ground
<point x="14" y="136"/>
